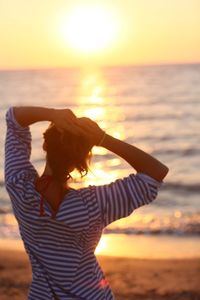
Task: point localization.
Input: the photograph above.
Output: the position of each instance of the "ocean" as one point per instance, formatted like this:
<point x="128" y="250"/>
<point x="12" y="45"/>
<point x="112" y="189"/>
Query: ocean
<point x="156" y="108"/>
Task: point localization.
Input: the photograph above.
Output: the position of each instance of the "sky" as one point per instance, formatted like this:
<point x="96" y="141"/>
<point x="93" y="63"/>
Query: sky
<point x="36" y="34"/>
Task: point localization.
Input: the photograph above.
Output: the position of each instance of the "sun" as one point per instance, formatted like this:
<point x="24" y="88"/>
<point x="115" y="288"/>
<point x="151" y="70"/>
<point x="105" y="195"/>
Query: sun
<point x="89" y="28"/>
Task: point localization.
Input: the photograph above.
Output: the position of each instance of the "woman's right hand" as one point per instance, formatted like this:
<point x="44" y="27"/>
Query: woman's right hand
<point x="91" y="129"/>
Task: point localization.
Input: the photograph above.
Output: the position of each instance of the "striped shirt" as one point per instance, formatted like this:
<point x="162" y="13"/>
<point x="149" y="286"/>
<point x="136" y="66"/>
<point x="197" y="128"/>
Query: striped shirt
<point x="61" y="250"/>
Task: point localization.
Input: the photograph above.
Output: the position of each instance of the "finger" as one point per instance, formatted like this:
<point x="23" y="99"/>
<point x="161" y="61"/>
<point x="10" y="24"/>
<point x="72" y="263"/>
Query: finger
<point x="65" y="126"/>
<point x="68" y="114"/>
<point x="72" y="115"/>
<point x="74" y="129"/>
<point x="84" y="127"/>
<point x="72" y="126"/>
<point x="82" y="122"/>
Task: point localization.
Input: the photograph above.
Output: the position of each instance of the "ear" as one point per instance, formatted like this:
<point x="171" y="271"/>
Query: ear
<point x="44" y="146"/>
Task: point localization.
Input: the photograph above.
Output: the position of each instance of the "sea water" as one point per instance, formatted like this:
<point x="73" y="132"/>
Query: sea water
<point x="156" y="108"/>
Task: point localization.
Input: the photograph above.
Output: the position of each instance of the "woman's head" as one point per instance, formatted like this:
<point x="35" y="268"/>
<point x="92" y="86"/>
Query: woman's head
<point x="66" y="152"/>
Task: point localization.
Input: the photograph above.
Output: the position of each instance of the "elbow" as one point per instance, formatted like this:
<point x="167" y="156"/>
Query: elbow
<point x="160" y="173"/>
<point x="163" y="172"/>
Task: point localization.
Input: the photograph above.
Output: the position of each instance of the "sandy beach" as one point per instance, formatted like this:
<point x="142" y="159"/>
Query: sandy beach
<point x="129" y="278"/>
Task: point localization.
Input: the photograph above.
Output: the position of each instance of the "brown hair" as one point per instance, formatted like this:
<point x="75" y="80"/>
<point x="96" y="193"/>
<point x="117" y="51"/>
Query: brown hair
<point x="66" y="152"/>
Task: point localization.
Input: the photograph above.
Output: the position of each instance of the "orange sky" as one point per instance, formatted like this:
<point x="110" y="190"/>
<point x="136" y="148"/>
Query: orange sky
<point x="148" y="32"/>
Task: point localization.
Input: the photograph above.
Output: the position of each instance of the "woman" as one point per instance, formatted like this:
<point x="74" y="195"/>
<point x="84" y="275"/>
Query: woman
<point x="60" y="226"/>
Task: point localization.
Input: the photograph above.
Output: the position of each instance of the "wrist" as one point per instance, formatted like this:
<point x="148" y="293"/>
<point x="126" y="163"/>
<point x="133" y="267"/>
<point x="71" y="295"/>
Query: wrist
<point x="102" y="139"/>
<point x="52" y="114"/>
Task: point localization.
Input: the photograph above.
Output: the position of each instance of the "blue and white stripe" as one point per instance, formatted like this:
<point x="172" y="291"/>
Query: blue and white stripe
<point x="61" y="250"/>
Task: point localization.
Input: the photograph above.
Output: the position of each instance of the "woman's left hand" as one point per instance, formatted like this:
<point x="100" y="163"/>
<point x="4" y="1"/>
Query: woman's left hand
<point x="65" y="119"/>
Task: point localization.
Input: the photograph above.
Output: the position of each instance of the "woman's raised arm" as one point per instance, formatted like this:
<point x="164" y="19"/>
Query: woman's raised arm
<point x="141" y="161"/>
<point x="64" y="119"/>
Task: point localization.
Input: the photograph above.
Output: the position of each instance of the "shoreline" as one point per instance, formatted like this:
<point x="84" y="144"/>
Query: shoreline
<point x="129" y="278"/>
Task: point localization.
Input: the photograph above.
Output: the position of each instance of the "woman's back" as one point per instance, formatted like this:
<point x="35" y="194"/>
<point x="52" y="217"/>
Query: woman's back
<point x="61" y="247"/>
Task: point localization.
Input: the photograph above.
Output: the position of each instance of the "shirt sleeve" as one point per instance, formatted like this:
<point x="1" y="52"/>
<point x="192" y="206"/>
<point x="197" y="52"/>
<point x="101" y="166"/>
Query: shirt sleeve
<point x="17" y="151"/>
<point x="120" y="198"/>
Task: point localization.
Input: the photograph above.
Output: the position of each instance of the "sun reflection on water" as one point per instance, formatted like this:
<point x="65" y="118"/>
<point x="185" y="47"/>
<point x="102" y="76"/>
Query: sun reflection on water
<point x="93" y="101"/>
<point x="95" y="113"/>
<point x="94" y="104"/>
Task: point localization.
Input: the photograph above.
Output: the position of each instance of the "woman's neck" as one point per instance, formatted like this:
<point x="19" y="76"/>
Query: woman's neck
<point x="47" y="170"/>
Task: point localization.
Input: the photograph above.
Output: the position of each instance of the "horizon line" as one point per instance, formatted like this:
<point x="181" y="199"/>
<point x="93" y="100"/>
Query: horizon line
<point x="100" y="66"/>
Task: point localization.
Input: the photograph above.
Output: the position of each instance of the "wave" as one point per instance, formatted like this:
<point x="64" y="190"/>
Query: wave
<point x="182" y="187"/>
<point x="190" y="230"/>
<point x="178" y="152"/>
<point x="185" y="224"/>
<point x="4" y="211"/>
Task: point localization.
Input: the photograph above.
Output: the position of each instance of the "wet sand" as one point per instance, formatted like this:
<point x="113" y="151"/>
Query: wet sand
<point x="130" y="279"/>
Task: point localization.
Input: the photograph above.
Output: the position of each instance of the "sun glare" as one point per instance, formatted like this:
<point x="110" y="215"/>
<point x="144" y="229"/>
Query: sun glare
<point x="102" y="246"/>
<point x="89" y="29"/>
